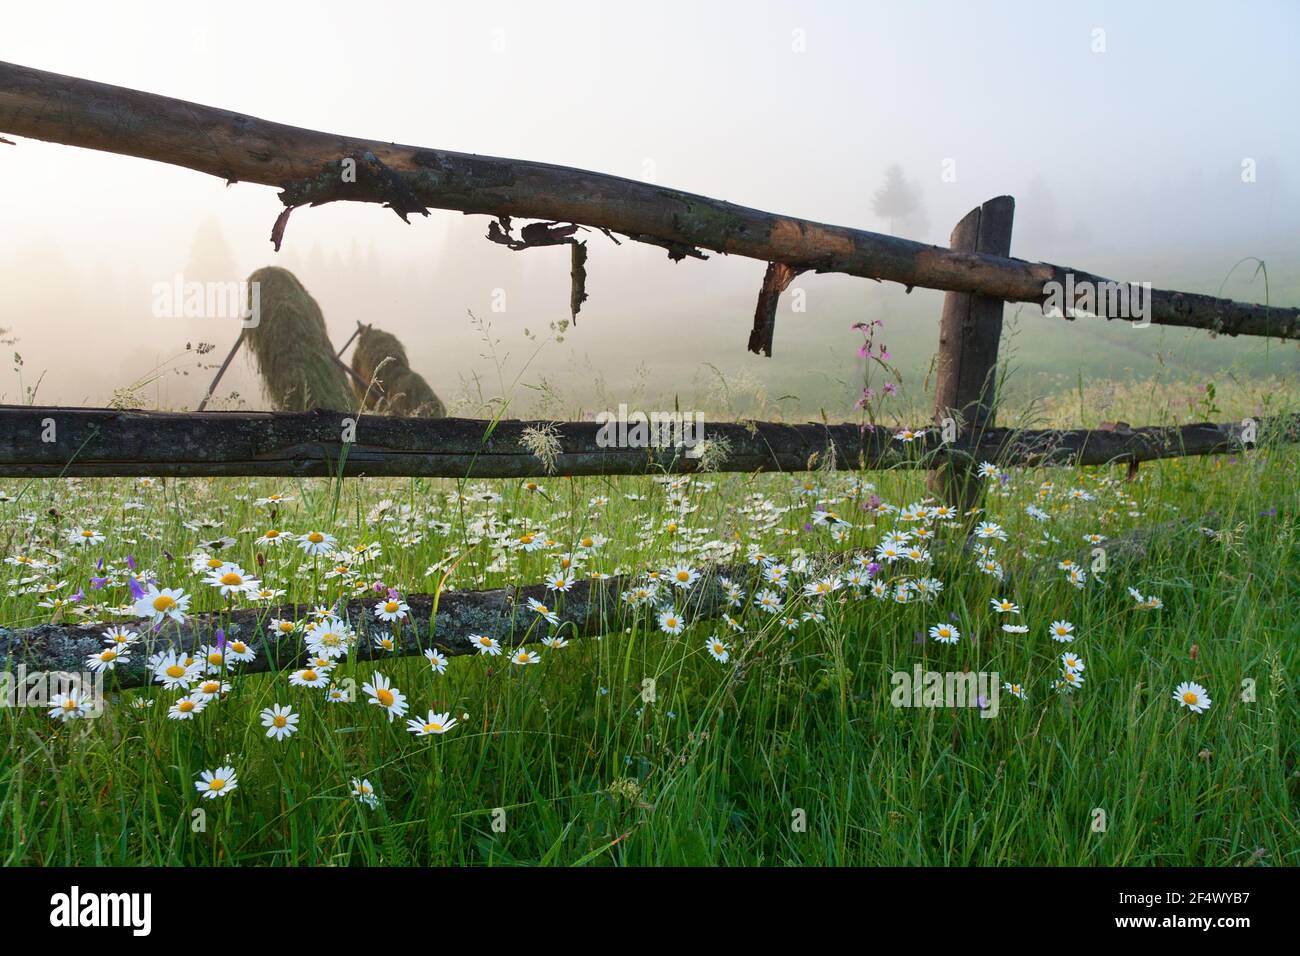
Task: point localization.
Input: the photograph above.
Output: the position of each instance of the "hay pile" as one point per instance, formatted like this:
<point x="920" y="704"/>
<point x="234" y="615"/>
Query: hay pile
<point x="293" y="350"/>
<point x="380" y="358"/>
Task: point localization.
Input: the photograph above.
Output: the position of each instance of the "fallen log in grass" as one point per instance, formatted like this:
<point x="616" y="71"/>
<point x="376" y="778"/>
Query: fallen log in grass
<point x="590" y="607"/>
<point x="93" y="442"/>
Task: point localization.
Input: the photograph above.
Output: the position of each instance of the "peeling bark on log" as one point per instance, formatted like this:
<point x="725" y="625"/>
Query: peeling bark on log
<point x="106" y="442"/>
<point x="776" y="280"/>
<point x="308" y="165"/>
<point x="577" y="278"/>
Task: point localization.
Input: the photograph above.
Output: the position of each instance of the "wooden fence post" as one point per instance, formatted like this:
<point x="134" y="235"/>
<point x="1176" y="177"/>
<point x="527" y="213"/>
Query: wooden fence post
<point x="966" y="386"/>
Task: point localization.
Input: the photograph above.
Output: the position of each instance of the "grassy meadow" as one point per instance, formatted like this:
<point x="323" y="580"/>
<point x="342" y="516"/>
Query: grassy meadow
<point x="770" y="737"/>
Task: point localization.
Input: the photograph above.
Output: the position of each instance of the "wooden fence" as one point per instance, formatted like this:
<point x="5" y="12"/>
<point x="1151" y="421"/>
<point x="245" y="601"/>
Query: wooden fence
<point x="312" y="167"/>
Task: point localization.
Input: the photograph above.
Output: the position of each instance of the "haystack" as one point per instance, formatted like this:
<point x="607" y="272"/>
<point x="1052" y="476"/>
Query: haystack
<point x="293" y="349"/>
<point x="380" y="358"/>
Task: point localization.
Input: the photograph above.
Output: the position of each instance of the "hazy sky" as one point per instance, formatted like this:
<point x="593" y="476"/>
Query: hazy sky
<point x="793" y="107"/>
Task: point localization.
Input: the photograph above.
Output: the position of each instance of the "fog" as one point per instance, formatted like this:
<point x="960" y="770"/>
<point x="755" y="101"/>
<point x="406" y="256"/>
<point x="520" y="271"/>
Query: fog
<point x="1152" y="142"/>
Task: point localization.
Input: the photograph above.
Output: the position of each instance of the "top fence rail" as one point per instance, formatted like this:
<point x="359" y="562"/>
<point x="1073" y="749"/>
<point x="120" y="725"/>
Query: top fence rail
<point x="311" y="167"/>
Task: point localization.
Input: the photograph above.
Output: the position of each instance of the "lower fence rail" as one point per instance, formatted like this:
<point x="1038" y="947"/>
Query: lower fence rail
<point x="56" y="442"/>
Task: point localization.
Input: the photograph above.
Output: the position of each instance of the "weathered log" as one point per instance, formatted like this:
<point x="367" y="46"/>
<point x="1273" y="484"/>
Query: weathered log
<point x="589" y="607"/>
<point x="312" y="167"/>
<point x="56" y="442"/>
<point x="969" y="331"/>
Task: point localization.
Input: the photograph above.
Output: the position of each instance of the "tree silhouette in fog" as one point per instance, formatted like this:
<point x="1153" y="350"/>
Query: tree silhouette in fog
<point x="897" y="200"/>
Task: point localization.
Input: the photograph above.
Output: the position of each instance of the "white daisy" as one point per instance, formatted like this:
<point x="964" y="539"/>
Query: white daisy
<point x="310" y="677"/>
<point x="176" y="671"/>
<point x="432" y="724"/>
<point x="382" y="692"/>
<point x="1061" y="631"/>
<point x="945" y="633"/>
<point x="161" y="604"/>
<point x="670" y="622"/>
<point x="280" y="721"/>
<point x="316" y="542"/>
<point x="485" y="645"/>
<point x="107" y="659"/>
<point x="1193" y="696"/>
<point x="216" y="783"/>
<point x="364" y="793"/>
<point x="391" y="610"/>
<point x="187" y="707"/>
<point x="72" y="705"/>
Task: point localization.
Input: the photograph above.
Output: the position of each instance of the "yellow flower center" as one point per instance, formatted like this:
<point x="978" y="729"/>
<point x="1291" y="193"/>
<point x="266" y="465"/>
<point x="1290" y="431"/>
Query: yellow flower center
<point x="217" y="783"/>
<point x="230" y="577"/>
<point x="175" y="670"/>
<point x="385" y="697"/>
<point x="390" y="606"/>
<point x="315" y="537"/>
<point x="272" y="534"/>
<point x="432" y="728"/>
<point x="279" y="721"/>
<point x="185" y="706"/>
<point x="70" y="704"/>
<point x="214" y="657"/>
<point x="238" y="647"/>
<point x="683" y="576"/>
<point x="309" y="675"/>
<point x="163" y="603"/>
<point x="1189" y="698"/>
<point x="526" y="539"/>
<point x="107" y="656"/>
